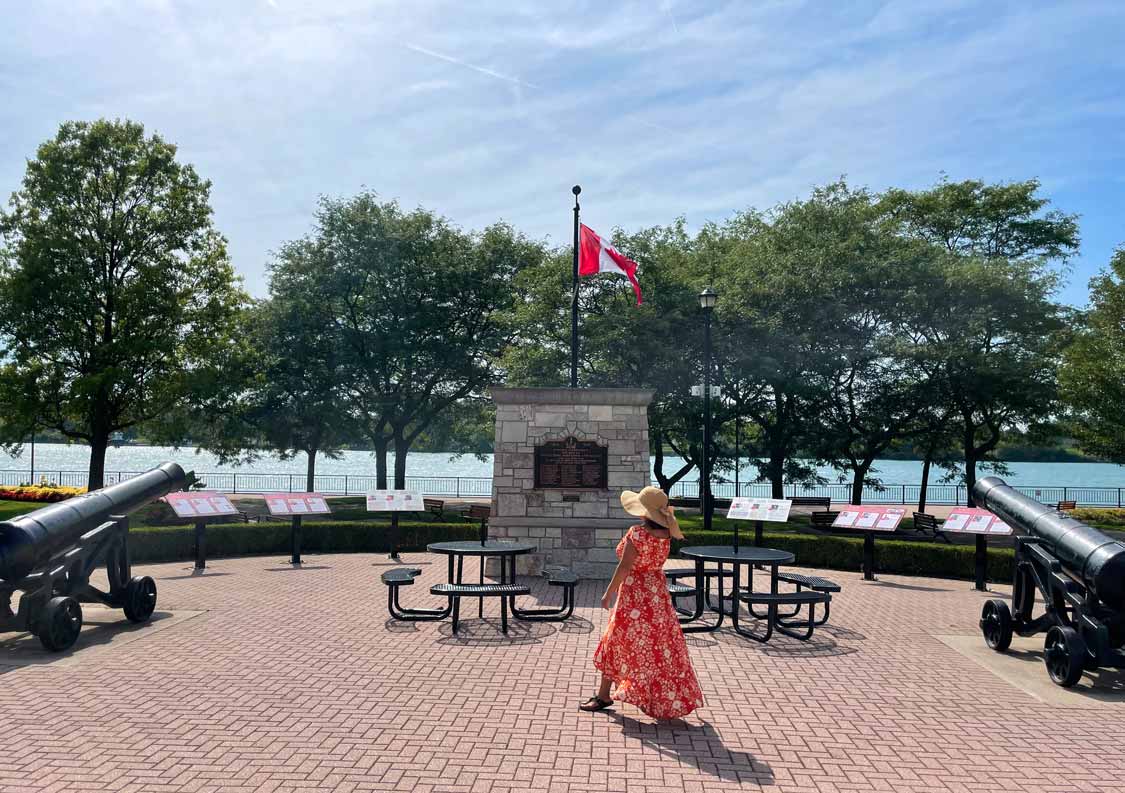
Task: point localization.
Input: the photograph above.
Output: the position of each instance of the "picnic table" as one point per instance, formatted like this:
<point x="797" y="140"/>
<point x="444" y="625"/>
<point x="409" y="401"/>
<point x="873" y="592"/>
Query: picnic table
<point x="750" y="558"/>
<point x="455" y="587"/>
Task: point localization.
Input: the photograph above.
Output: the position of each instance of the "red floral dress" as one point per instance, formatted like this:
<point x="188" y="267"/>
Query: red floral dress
<point x="643" y="649"/>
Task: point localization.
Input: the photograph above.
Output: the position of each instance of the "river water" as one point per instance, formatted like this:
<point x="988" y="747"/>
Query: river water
<point x="51" y="458"/>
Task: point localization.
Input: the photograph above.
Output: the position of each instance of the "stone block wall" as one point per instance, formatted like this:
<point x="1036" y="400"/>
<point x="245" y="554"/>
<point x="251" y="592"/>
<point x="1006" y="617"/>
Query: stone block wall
<point x="579" y="534"/>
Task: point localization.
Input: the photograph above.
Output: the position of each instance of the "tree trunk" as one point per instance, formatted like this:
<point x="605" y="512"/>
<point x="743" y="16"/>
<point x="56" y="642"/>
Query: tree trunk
<point x="777" y="474"/>
<point x="970" y="475"/>
<point x="970" y="460"/>
<point x="381" y="464"/>
<point x="310" y="471"/>
<point x="402" y="448"/>
<point x="99" y="442"/>
<point x="858" y="477"/>
<point x="657" y="441"/>
<point x="925" y="478"/>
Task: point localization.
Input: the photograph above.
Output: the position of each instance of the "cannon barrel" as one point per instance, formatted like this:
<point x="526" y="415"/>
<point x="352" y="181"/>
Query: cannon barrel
<point x="1086" y="555"/>
<point x="29" y="541"/>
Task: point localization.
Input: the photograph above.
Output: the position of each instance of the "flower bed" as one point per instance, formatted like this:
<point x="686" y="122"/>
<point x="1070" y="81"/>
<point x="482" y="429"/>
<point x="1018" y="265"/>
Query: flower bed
<point x="43" y="493"/>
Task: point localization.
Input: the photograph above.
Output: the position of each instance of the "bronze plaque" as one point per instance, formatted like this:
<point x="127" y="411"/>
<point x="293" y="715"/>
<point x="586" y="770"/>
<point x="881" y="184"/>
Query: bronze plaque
<point x="571" y="463"/>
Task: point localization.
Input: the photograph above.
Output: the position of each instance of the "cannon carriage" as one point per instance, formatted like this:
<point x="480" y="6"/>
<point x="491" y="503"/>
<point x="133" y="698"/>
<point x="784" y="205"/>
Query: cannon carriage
<point x="1079" y="574"/>
<point x="49" y="555"/>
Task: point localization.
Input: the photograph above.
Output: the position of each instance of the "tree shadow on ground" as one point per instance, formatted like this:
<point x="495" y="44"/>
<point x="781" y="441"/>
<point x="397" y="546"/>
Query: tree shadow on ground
<point x="486" y="632"/>
<point x="196" y="574"/>
<point x="699" y="746"/>
<point x="912" y="587"/>
<point x="296" y="567"/>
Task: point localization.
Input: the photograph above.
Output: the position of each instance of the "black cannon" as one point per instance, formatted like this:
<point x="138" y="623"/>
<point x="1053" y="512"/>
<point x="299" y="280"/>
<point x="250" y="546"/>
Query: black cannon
<point x="1080" y="574"/>
<point x="50" y="553"/>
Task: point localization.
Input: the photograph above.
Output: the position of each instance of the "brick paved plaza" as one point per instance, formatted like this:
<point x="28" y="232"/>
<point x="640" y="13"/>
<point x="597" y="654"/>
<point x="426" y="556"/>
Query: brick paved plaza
<point x="270" y="679"/>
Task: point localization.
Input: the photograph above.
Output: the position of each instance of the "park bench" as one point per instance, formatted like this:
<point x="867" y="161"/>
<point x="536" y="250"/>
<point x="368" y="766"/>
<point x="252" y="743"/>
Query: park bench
<point x="457" y="591"/>
<point x="676" y="589"/>
<point x="824" y="502"/>
<point x="928" y="523"/>
<point x="806" y="599"/>
<point x="435" y="506"/>
<point x="563" y="578"/>
<point x="1064" y="506"/>
<point x="480" y="512"/>
<point x="693" y="503"/>
<point x="404" y="576"/>
<point x="822" y="520"/>
<point x="816" y="584"/>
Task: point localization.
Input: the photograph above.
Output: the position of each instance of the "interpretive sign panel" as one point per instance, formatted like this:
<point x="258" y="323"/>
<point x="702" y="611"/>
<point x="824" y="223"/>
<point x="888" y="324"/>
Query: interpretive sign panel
<point x="297" y="504"/>
<point x="394" y="501"/>
<point x="200" y="504"/>
<point x="775" y="510"/>
<point x="973" y="520"/>
<point x="869" y="518"/>
<point x="571" y="463"/>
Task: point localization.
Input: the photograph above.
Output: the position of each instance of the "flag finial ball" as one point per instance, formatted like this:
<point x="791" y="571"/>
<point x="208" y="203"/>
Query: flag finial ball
<point x="576" y="189"/>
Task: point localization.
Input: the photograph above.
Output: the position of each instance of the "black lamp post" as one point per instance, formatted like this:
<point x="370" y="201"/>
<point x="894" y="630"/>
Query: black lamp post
<point x="707" y="299"/>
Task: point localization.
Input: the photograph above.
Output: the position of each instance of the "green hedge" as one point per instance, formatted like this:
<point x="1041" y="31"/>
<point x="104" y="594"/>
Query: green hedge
<point x="175" y="543"/>
<point x="891" y="556"/>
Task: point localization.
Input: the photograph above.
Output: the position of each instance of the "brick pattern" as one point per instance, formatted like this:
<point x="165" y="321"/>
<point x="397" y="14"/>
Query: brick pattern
<point x="578" y="534"/>
<point x="294" y="680"/>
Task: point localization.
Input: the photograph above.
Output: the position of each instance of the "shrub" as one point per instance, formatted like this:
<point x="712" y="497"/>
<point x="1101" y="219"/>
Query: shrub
<point x="1102" y="518"/>
<point x="174" y="543"/>
<point x="44" y="493"/>
<point x="891" y="556"/>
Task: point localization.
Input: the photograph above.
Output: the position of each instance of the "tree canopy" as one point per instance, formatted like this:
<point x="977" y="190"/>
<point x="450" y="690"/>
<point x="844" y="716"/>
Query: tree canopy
<point x="1093" y="375"/>
<point x="116" y="292"/>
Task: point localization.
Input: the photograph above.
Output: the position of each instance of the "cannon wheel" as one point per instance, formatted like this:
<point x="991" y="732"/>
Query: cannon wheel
<point x="1064" y="653"/>
<point x="60" y="624"/>
<point x="140" y="598"/>
<point x="996" y="625"/>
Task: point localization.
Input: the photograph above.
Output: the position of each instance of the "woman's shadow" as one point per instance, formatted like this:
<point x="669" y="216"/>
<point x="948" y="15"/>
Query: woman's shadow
<point x="699" y="746"/>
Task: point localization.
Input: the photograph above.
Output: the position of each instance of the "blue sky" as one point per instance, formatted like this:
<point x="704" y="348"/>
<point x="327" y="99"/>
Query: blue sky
<point x="488" y="110"/>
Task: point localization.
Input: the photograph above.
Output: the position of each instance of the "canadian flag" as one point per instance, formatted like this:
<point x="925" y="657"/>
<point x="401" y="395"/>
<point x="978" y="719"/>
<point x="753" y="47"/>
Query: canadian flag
<point x="594" y="256"/>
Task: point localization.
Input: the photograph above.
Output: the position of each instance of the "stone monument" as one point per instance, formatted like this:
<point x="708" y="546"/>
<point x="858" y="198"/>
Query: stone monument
<point x="562" y="458"/>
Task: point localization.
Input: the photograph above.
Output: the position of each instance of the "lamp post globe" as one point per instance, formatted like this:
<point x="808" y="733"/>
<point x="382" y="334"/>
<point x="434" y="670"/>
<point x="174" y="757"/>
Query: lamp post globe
<point x="707" y="299"/>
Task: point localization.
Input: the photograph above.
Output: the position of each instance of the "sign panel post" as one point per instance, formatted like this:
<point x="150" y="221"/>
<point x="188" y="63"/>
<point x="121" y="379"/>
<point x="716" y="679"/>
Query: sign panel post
<point x="394" y="502"/>
<point x="200" y="505"/>
<point x="981" y="522"/>
<point x="759" y="510"/>
<point x="296" y="506"/>
<point x="869" y="520"/>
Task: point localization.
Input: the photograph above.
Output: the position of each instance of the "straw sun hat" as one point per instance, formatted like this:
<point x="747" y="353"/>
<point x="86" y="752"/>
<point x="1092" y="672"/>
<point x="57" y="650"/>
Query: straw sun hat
<point x="652" y="503"/>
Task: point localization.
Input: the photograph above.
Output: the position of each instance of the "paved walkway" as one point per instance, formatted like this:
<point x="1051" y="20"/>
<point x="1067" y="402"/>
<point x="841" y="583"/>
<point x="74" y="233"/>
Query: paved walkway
<point x="272" y="679"/>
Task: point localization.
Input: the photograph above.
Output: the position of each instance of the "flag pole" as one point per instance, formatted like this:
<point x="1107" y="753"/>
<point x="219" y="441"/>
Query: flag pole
<point x="574" y="298"/>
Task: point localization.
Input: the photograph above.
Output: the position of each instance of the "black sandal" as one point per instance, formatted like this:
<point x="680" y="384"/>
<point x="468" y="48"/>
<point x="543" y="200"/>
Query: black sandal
<point x="594" y="704"/>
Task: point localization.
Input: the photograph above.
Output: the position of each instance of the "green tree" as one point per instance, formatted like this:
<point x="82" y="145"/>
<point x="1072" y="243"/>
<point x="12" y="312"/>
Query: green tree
<point x="116" y="294"/>
<point x="988" y="314"/>
<point x="1093" y="374"/>
<point x="656" y="345"/>
<point x="418" y="306"/>
<point x="785" y="298"/>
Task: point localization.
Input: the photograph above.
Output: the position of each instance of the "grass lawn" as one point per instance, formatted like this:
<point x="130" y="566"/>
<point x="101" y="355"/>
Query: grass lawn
<point x="9" y="509"/>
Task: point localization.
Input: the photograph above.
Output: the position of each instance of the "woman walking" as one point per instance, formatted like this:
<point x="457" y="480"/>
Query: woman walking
<point x="643" y="651"/>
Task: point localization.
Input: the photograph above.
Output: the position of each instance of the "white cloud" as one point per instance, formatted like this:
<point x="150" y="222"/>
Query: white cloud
<point x="490" y="110"/>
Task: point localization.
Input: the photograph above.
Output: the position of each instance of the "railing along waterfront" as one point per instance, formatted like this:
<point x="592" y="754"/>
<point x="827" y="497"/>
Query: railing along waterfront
<point x="481" y="487"/>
